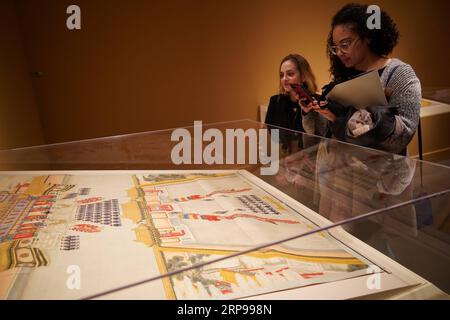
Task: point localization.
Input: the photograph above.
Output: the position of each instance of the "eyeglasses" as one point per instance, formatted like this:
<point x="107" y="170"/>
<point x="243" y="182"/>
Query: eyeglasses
<point x="344" y="46"/>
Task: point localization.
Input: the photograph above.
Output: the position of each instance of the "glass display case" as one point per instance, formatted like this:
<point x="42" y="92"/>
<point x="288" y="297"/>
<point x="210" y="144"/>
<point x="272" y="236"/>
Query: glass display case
<point x="229" y="210"/>
<point x="434" y="115"/>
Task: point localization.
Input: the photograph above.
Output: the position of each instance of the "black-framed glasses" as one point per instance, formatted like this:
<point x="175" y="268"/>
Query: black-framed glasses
<point x="344" y="46"/>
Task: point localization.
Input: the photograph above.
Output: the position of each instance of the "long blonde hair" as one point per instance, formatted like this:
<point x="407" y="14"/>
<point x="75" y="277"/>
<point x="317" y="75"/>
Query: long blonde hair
<point x="304" y="69"/>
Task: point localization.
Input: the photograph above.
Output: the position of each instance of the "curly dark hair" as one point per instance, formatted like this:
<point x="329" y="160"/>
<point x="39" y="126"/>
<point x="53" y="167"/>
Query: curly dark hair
<point x="381" y="41"/>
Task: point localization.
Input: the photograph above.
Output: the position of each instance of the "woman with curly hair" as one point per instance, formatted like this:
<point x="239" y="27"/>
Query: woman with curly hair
<point x="353" y="49"/>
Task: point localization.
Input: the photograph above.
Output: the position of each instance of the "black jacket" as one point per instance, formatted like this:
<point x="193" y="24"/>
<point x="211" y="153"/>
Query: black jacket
<point x="282" y="112"/>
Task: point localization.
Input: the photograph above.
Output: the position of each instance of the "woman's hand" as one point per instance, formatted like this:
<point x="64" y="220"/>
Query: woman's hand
<point x="327" y="114"/>
<point x="318" y="107"/>
<point x="307" y="107"/>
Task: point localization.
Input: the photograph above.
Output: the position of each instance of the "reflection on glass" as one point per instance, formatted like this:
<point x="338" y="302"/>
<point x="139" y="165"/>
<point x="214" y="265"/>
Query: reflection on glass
<point x="251" y="234"/>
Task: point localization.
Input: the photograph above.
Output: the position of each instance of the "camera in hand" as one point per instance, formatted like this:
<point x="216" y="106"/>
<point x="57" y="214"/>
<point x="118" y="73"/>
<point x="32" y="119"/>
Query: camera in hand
<point x="304" y="95"/>
<point x="307" y="97"/>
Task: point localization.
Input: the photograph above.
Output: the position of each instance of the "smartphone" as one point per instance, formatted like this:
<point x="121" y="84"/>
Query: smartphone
<point x="302" y="91"/>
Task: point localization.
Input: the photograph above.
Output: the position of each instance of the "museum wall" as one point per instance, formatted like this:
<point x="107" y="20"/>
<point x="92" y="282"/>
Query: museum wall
<point x="146" y="65"/>
<point x="19" y="117"/>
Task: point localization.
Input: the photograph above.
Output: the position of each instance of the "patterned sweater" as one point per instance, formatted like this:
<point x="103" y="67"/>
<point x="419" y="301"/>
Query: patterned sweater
<point x="406" y="94"/>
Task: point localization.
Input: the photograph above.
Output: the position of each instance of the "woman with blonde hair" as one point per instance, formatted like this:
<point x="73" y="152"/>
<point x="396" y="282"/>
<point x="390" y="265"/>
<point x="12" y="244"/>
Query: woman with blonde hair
<point x="284" y="110"/>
